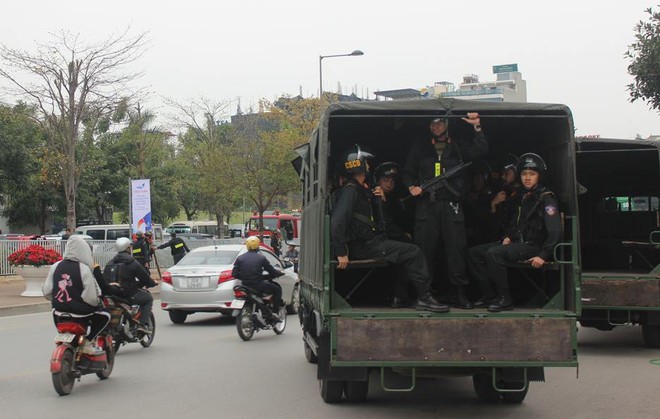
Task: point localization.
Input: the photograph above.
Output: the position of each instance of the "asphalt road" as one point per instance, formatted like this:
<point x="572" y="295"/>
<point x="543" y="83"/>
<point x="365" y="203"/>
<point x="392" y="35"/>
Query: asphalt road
<point x="203" y="370"/>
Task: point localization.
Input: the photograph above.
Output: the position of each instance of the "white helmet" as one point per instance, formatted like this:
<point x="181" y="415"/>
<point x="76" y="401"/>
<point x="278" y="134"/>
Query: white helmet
<point x="122" y="244"/>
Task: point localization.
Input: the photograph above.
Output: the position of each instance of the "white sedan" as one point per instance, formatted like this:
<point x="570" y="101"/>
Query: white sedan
<point x="202" y="281"/>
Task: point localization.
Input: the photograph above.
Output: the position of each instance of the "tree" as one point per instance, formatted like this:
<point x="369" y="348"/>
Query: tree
<point x="645" y="65"/>
<point x="71" y="84"/>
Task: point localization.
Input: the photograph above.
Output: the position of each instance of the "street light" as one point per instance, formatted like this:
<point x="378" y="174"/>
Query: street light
<point x="321" y="57"/>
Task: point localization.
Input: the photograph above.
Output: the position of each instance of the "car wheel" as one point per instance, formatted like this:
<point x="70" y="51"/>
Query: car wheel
<point x="295" y="301"/>
<point x="178" y="316"/>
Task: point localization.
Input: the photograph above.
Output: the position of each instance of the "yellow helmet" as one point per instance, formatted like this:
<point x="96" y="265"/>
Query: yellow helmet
<point x="252" y="243"/>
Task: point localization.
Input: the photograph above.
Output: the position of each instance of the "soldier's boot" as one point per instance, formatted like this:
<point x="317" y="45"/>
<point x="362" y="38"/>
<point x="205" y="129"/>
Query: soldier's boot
<point x="461" y="300"/>
<point x="427" y="302"/>
<point x="503" y="302"/>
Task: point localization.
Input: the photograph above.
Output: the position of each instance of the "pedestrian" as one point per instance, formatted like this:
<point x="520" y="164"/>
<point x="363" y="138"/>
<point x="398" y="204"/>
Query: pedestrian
<point x="67" y="234"/>
<point x="531" y="235"/>
<point x="292" y="256"/>
<point x="439" y="215"/>
<point x="275" y="241"/>
<point x="353" y="232"/>
<point x="177" y="246"/>
<point x="141" y="249"/>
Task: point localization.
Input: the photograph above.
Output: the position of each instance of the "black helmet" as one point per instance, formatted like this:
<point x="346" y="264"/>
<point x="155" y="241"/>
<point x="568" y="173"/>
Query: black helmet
<point x="356" y="161"/>
<point x="511" y="162"/>
<point x="531" y="161"/>
<point x="387" y="169"/>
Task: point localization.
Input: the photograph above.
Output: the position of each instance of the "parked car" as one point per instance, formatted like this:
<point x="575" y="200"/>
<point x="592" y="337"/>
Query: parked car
<point x="202" y="282"/>
<point x="10" y="236"/>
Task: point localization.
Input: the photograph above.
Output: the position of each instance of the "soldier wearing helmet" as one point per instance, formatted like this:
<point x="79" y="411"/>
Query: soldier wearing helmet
<point x="530" y="236"/>
<point x="439" y="216"/>
<point x="249" y="268"/>
<point x="355" y="234"/>
<point x="141" y="249"/>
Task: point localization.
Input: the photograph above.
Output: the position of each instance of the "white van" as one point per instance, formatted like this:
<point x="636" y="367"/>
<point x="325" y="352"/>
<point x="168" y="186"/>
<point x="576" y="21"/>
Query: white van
<point x="114" y="231"/>
<point x="200" y="227"/>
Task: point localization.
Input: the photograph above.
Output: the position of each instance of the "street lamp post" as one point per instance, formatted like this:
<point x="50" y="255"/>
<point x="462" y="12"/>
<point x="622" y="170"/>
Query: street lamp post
<point x="321" y="57"/>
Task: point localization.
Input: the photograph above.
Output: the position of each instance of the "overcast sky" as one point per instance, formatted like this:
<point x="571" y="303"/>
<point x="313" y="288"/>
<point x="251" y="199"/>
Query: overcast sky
<point x="569" y="52"/>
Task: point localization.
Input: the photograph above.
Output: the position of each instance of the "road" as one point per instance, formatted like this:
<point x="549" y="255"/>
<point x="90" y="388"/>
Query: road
<point x="202" y="369"/>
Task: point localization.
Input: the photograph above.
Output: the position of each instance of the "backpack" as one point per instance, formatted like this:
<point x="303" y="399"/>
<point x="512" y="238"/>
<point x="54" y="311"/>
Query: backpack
<point x="114" y="272"/>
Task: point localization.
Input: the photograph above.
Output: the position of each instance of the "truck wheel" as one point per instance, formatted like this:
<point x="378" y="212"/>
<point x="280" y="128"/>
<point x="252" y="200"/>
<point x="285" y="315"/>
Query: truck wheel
<point x="295" y="301"/>
<point x="356" y="391"/>
<point x="483" y="386"/>
<point x="651" y="335"/>
<point x="516" y="397"/>
<point x="331" y="391"/>
<point x="310" y="356"/>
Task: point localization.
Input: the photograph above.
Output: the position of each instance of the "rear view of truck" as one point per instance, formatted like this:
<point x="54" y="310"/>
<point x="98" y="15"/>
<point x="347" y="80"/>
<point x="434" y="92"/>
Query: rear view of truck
<point x="349" y="328"/>
<point x="620" y="232"/>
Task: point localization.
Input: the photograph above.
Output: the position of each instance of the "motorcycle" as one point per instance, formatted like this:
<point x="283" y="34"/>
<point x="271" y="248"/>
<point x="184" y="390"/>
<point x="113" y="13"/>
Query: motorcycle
<point x="124" y="322"/>
<point x="252" y="311"/>
<point x="69" y="361"/>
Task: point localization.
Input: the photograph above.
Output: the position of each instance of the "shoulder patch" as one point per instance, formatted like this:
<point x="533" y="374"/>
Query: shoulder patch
<point x="551" y="210"/>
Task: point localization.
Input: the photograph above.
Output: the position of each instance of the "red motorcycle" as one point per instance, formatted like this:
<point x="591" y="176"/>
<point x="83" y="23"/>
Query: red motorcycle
<point x="70" y="361"/>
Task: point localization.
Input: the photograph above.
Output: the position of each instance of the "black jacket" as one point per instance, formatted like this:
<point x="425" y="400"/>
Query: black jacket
<point x="177" y="245"/>
<point x="134" y="274"/>
<point x="536" y="221"/>
<point x="141" y="249"/>
<point x="421" y="160"/>
<point x="250" y="266"/>
<point x="352" y="219"/>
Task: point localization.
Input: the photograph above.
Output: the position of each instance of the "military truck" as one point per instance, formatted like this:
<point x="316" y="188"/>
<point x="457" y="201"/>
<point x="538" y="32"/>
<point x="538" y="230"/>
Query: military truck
<point x="620" y="234"/>
<point x="348" y="327"/>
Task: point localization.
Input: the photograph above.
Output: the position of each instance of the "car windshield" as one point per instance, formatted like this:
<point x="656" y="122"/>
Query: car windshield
<point x="269" y="223"/>
<point x="210" y="257"/>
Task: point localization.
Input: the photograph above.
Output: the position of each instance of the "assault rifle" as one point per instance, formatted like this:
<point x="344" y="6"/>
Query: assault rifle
<point x="442" y="181"/>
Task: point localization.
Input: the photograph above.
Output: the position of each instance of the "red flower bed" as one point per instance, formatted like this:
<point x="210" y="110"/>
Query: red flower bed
<point x="34" y="255"/>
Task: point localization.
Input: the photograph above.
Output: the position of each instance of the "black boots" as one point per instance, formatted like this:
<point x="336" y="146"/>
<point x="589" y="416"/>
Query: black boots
<point x="400" y="303"/>
<point x="502" y="303"/>
<point x="427" y="302"/>
<point x="461" y="300"/>
<point x="485" y="301"/>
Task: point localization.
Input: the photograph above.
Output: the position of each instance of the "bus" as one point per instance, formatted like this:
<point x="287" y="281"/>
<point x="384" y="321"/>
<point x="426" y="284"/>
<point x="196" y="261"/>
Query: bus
<point x="201" y="227"/>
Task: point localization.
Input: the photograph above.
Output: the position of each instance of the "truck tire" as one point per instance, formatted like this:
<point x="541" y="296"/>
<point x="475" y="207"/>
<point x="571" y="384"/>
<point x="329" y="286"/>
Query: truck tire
<point x="651" y="335"/>
<point x="310" y="356"/>
<point x="331" y="391"/>
<point x="483" y="386"/>
<point x="356" y="391"/>
<point x="516" y="397"/>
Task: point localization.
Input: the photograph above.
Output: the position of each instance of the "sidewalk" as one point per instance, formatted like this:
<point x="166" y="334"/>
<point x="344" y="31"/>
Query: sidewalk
<point x="12" y="303"/>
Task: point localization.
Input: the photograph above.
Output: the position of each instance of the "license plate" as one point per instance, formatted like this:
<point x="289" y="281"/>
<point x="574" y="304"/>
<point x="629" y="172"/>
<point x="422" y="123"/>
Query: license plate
<point x="237" y="304"/>
<point x="195" y="282"/>
<point x="64" y="337"/>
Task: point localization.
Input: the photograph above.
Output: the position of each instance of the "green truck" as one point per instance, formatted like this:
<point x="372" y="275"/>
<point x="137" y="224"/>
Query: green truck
<point x="620" y="234"/>
<point x="348" y="327"/>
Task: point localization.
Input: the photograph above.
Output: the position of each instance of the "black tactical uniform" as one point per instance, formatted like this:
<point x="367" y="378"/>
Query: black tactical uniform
<point x="249" y="268"/>
<point x="534" y="231"/>
<point x="441" y="214"/>
<point x="177" y="246"/>
<point x="141" y="251"/>
<point x="353" y="232"/>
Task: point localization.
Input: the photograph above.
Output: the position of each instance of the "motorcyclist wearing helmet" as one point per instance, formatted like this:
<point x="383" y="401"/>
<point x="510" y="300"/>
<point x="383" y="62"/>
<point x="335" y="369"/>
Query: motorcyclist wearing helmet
<point x="249" y="268"/>
<point x="531" y="235"/>
<point x="134" y="276"/>
<point x="141" y="249"/>
<point x="353" y="232"/>
<point x="177" y="246"/>
<point x="72" y="288"/>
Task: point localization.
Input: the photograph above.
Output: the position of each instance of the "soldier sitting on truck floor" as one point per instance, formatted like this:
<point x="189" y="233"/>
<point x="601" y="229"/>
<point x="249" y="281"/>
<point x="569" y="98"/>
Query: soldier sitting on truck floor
<point x="353" y="232"/>
<point x="532" y="235"/>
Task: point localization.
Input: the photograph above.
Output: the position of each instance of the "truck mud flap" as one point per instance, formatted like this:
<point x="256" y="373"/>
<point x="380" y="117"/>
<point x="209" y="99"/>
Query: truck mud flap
<point x="327" y="372"/>
<point x="459" y="340"/>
